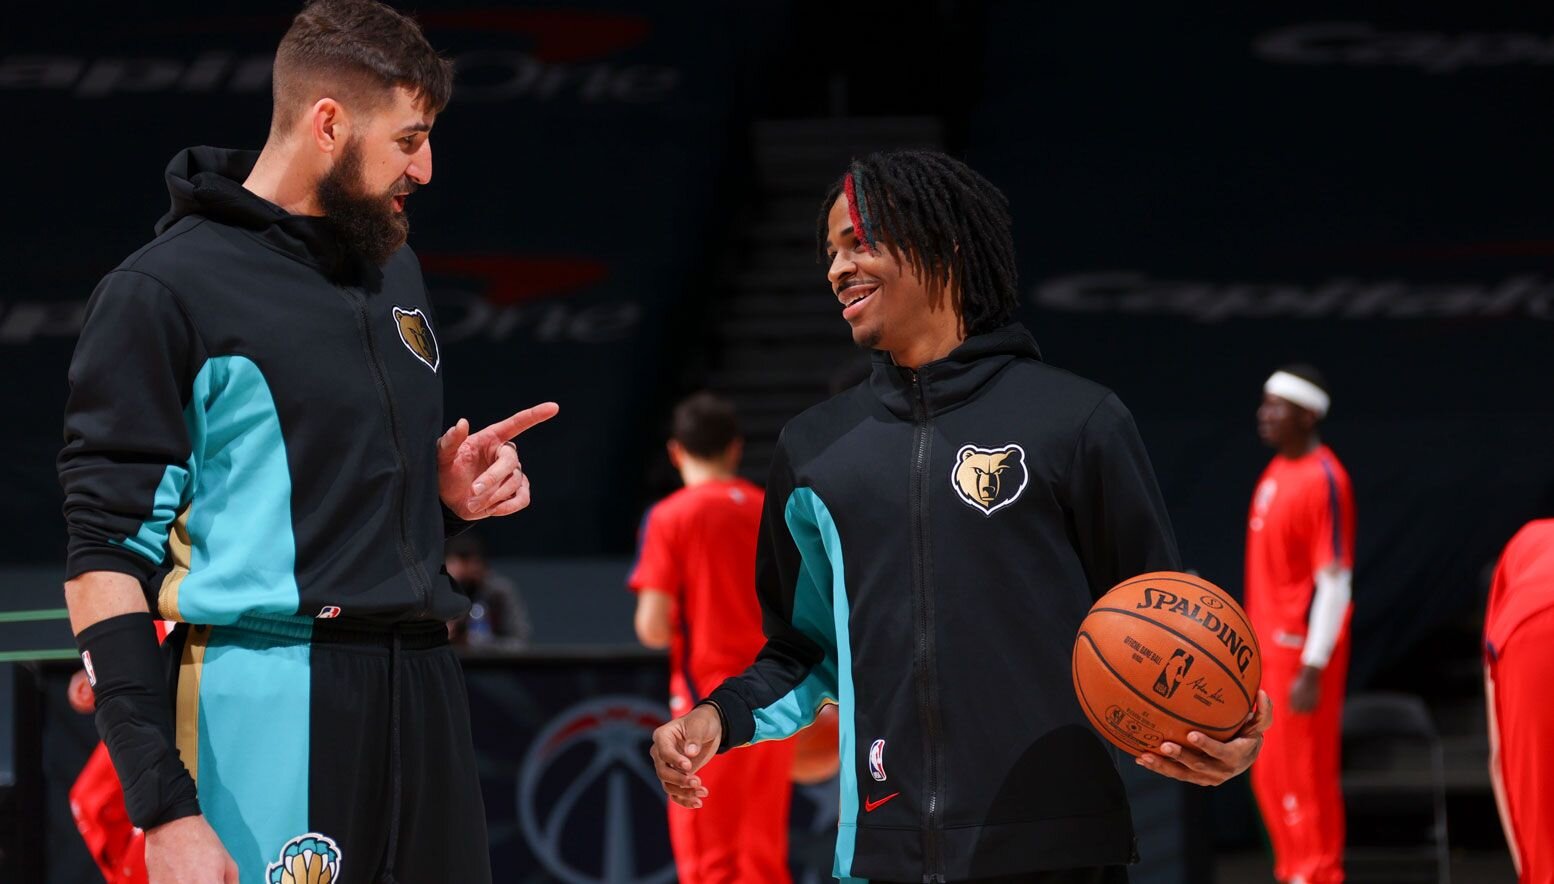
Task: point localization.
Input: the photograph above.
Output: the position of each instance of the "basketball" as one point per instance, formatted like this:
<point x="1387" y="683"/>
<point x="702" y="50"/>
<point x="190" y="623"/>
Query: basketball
<point x="815" y="758"/>
<point x="1164" y="654"/>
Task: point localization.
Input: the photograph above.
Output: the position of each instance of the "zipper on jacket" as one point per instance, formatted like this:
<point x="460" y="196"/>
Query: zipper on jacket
<point x="923" y="654"/>
<point x="418" y="580"/>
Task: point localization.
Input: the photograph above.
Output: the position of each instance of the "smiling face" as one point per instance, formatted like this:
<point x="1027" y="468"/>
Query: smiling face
<point x="884" y="298"/>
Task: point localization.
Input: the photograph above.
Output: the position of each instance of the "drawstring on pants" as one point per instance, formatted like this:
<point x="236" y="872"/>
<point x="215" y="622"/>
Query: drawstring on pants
<point x="396" y="784"/>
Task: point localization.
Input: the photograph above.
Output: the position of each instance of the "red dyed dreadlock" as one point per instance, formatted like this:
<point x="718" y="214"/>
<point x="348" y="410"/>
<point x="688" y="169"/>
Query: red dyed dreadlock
<point x="864" y="235"/>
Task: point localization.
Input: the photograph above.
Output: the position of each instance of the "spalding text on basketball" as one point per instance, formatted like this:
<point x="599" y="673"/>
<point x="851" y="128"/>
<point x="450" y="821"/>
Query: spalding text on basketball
<point x="1161" y="600"/>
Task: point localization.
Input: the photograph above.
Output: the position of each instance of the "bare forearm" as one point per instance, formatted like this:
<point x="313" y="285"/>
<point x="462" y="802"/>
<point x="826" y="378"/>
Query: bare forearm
<point x="98" y="595"/>
<point x="655" y="611"/>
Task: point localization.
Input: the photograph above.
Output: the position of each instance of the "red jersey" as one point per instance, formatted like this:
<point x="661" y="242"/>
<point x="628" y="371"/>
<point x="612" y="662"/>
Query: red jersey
<point x="698" y="545"/>
<point x="1302" y="520"/>
<point x="1523" y="584"/>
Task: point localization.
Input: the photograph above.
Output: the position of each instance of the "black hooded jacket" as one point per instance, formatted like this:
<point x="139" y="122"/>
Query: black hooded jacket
<point x="253" y="417"/>
<point x="931" y="541"/>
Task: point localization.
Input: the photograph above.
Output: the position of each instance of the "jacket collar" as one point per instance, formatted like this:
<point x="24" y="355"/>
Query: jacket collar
<point x="208" y="182"/>
<point x="954" y="380"/>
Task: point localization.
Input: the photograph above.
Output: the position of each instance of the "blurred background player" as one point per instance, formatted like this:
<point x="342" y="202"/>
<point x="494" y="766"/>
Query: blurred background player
<point x="497" y="617"/>
<point x="1299" y="560"/>
<point x="1519" y="657"/>
<point x="695" y="585"/>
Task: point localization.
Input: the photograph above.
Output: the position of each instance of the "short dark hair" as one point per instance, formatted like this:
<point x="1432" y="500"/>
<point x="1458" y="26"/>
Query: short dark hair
<point x="358" y="50"/>
<point x="951" y="223"/>
<point x="704" y="425"/>
<point x="1306" y="372"/>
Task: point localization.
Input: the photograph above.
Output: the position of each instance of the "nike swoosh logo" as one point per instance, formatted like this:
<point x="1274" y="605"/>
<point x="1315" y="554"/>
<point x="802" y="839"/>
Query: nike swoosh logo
<point x="871" y="806"/>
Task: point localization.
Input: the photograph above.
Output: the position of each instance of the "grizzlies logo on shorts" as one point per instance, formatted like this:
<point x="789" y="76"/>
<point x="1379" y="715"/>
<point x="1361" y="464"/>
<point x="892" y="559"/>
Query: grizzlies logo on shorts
<point x="306" y="859"/>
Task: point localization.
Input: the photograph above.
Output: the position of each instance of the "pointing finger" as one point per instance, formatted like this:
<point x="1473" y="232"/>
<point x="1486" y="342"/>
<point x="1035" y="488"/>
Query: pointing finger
<point x="523" y="420"/>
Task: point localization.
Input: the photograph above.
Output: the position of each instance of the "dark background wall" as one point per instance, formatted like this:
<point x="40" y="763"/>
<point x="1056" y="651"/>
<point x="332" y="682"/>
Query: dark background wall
<point x="1197" y="199"/>
<point x="1199" y="195"/>
<point x="1200" y="199"/>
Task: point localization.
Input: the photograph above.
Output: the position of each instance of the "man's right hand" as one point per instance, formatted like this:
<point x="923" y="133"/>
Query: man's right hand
<point x="681" y="747"/>
<point x="187" y="851"/>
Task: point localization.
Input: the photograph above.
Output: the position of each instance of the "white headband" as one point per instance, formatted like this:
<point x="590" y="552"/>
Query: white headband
<point x="1299" y="391"/>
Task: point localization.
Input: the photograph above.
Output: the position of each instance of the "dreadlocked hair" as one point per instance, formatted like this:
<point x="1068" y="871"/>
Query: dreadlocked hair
<point x="949" y="223"/>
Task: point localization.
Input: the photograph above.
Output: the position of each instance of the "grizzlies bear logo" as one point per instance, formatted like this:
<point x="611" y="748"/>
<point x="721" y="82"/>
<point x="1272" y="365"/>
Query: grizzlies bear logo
<point x="416" y="332"/>
<point x="989" y="479"/>
<point x="306" y="859"/>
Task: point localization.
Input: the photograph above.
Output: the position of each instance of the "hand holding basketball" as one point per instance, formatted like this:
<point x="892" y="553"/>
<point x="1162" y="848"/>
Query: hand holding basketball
<point x="681" y="748"/>
<point x="1167" y="668"/>
<point x="1207" y="761"/>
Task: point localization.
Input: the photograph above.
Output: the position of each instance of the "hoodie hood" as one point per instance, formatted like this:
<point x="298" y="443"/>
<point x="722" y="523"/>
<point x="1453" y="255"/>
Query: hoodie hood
<point x="207" y="182"/>
<point x="955" y="379"/>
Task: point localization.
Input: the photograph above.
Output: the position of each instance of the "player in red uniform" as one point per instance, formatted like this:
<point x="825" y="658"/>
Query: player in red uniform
<point x="695" y="584"/>
<point x="1299" y="561"/>
<point x="1519" y="655"/>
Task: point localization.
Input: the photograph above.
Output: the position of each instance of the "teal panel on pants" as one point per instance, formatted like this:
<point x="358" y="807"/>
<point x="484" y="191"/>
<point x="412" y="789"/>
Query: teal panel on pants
<point x="255" y="722"/>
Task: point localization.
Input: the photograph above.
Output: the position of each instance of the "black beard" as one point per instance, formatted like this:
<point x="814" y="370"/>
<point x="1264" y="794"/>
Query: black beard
<point x="367" y="223"/>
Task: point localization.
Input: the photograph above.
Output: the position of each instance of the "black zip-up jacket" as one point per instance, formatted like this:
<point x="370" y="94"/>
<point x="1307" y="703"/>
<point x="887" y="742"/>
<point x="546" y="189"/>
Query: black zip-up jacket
<point x="253" y="418"/>
<point x="931" y="541"/>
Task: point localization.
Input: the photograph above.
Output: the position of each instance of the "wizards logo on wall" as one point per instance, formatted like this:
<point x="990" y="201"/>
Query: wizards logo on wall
<point x="582" y="786"/>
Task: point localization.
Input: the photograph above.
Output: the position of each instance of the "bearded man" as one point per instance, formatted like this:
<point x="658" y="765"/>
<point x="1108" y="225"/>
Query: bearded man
<point x="254" y="449"/>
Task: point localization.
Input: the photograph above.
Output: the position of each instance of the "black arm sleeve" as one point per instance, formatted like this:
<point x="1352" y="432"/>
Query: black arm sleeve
<point x="135" y="718"/>
<point x="782" y="690"/>
<point x="1120" y="522"/>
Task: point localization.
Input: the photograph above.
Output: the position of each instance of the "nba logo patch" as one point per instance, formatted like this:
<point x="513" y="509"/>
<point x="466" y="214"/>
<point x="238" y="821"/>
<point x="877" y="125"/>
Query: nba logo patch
<point x="91" y="674"/>
<point x="328" y="612"/>
<point x="877" y="761"/>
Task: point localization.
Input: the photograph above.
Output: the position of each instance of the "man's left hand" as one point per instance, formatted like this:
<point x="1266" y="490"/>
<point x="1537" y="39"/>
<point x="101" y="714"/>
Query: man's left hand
<point x="1207" y="761"/>
<point x="478" y="474"/>
<point x="1306" y="691"/>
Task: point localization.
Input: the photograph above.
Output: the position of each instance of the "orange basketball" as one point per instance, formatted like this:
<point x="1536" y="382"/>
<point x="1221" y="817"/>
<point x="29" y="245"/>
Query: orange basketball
<point x="1164" y="654"/>
<point x="815" y="754"/>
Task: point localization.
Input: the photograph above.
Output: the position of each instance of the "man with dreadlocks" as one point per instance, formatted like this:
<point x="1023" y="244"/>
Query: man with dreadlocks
<point x="930" y="542"/>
